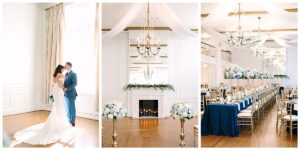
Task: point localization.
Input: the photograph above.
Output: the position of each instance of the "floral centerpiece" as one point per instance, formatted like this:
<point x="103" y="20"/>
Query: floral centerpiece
<point x="182" y="111"/>
<point x="234" y="72"/>
<point x="230" y="72"/>
<point x="114" y="111"/>
<point x="249" y="74"/>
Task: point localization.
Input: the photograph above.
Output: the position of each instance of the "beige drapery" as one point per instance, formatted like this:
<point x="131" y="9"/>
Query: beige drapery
<point x="55" y="20"/>
<point x="97" y="49"/>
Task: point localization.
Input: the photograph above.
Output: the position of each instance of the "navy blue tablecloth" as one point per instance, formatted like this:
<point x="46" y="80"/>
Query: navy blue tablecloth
<point x="203" y="100"/>
<point x="220" y="119"/>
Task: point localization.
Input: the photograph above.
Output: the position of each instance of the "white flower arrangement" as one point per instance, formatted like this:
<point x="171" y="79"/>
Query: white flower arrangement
<point x="236" y="72"/>
<point x="249" y="74"/>
<point x="230" y="72"/>
<point x="182" y="110"/>
<point x="114" y="110"/>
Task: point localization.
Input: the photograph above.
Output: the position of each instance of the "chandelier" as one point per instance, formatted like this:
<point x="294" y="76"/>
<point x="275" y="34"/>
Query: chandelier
<point x="259" y="49"/>
<point x="148" y="48"/>
<point x="148" y="73"/>
<point x="239" y="37"/>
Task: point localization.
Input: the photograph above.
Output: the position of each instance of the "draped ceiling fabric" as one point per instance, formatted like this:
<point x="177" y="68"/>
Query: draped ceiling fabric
<point x="218" y="15"/>
<point x="125" y="21"/>
<point x="171" y="20"/>
<point x="278" y="12"/>
<point x="55" y="20"/>
<point x="221" y="11"/>
<point x="166" y="14"/>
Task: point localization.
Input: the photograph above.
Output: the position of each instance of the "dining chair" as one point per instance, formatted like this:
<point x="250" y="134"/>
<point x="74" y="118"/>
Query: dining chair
<point x="279" y="111"/>
<point x="247" y="118"/>
<point x="289" y="120"/>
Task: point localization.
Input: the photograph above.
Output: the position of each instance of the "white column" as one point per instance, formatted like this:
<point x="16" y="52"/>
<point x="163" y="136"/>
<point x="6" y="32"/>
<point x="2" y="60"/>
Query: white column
<point x="218" y="68"/>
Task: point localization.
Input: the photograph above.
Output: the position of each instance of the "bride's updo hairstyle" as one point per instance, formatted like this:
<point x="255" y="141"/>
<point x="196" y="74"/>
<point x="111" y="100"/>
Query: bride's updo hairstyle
<point x="58" y="70"/>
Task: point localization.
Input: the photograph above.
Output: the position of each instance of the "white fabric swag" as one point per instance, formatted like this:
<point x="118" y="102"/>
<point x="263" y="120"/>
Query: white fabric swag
<point x="166" y="14"/>
<point x="218" y="15"/>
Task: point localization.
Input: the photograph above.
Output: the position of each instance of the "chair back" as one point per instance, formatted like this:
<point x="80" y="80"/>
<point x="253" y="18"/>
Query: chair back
<point x="253" y="105"/>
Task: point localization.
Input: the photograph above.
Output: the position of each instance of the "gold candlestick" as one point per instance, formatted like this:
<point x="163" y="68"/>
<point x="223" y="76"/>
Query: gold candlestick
<point x="114" y="137"/>
<point x="182" y="143"/>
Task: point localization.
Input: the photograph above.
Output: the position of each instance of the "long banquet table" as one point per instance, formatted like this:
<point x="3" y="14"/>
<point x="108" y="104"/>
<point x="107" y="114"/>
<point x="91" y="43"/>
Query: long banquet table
<point x="221" y="118"/>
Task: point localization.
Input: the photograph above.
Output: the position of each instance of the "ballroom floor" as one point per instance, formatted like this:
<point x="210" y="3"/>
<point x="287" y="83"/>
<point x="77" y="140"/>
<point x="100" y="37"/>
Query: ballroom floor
<point x="86" y="133"/>
<point x="148" y="132"/>
<point x="264" y="136"/>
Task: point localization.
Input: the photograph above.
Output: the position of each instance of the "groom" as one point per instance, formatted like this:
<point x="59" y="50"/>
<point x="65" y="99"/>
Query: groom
<point x="70" y="92"/>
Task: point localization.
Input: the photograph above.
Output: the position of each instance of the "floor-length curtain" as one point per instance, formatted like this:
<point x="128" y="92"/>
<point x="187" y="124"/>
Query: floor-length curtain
<point x="97" y="48"/>
<point x="54" y="41"/>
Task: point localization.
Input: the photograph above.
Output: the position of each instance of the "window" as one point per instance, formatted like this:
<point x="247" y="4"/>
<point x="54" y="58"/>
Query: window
<point x="79" y="44"/>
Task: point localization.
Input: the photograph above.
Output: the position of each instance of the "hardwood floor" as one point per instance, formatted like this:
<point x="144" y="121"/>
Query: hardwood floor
<point x="148" y="132"/>
<point x="86" y="133"/>
<point x="264" y="135"/>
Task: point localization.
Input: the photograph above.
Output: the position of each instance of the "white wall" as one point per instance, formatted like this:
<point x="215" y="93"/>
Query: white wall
<point x="184" y="72"/>
<point x="115" y="68"/>
<point x="245" y="59"/>
<point x="291" y="67"/>
<point x="22" y="45"/>
<point x="1" y="54"/>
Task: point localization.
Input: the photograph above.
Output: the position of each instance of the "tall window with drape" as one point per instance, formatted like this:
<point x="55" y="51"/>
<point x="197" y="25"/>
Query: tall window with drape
<point x="55" y="20"/>
<point x="81" y="48"/>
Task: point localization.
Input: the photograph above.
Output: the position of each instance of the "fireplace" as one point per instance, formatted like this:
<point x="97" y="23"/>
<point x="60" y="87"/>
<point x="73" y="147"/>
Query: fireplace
<point x="148" y="108"/>
<point x="138" y="101"/>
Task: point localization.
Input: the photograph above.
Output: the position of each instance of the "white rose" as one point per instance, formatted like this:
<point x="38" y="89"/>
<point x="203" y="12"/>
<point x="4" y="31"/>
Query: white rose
<point x="106" y="110"/>
<point x="117" y="109"/>
<point x="110" y="116"/>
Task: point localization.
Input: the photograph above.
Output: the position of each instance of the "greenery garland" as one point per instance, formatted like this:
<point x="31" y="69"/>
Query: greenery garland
<point x="282" y="76"/>
<point x="162" y="87"/>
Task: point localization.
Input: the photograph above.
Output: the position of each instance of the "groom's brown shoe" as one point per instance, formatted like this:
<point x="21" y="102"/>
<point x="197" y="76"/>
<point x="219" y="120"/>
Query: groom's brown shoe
<point x="73" y="124"/>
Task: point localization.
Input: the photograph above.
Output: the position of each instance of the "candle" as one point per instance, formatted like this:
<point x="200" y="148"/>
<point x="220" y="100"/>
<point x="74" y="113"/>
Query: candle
<point x="158" y="43"/>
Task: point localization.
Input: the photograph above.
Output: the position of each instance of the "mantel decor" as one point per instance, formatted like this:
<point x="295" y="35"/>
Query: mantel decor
<point x="162" y="87"/>
<point x="281" y="76"/>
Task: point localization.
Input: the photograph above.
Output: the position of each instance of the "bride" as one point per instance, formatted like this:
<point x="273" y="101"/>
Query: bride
<point x="56" y="125"/>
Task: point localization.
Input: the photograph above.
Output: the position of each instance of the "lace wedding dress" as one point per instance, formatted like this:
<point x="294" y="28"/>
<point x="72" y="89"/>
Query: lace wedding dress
<point x="53" y="129"/>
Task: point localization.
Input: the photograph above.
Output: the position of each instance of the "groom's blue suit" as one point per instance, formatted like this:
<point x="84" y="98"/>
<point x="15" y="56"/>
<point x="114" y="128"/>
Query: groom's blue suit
<point x="70" y="95"/>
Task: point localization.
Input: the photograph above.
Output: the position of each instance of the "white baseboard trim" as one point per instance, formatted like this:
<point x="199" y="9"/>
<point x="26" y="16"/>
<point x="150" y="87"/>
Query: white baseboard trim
<point x="93" y="116"/>
<point x="20" y="110"/>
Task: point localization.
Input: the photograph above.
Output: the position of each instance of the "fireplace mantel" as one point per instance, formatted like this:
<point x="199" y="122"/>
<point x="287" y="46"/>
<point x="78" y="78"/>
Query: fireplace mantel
<point x="135" y="95"/>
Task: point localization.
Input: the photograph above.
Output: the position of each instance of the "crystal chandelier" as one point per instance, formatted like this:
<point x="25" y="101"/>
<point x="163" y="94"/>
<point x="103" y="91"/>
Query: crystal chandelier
<point x="239" y="37"/>
<point x="148" y="48"/>
<point x="259" y="49"/>
<point x="148" y="73"/>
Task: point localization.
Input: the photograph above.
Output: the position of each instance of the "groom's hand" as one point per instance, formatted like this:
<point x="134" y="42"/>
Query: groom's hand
<point x="65" y="89"/>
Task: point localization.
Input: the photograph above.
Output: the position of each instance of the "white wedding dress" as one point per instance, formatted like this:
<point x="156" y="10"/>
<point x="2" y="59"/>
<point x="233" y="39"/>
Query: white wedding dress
<point x="53" y="129"/>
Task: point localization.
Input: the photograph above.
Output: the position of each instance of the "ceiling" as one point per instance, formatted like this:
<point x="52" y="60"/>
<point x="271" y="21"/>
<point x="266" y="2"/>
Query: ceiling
<point x="186" y="12"/>
<point x="271" y="25"/>
<point x="282" y="27"/>
<point x="250" y="22"/>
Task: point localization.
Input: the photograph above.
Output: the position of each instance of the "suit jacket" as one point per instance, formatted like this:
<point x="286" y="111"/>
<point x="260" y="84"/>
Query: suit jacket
<point x="70" y="83"/>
